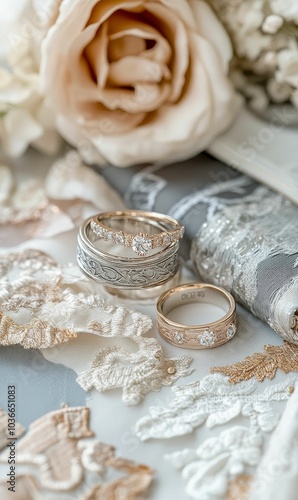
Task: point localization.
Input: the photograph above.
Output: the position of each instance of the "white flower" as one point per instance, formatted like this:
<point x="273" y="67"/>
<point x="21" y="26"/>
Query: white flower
<point x="142" y="81"/>
<point x="25" y="119"/>
<point x="264" y="37"/>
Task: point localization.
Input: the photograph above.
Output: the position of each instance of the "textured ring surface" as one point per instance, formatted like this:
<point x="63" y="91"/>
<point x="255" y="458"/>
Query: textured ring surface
<point x="125" y="272"/>
<point x="140" y="242"/>
<point x="203" y="336"/>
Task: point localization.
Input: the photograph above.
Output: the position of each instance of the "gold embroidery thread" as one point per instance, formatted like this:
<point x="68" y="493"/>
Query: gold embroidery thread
<point x="263" y="365"/>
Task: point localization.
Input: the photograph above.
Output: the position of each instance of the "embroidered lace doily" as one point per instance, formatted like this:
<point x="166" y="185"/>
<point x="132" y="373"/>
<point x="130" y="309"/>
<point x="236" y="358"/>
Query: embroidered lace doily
<point x="63" y="460"/>
<point x="137" y="373"/>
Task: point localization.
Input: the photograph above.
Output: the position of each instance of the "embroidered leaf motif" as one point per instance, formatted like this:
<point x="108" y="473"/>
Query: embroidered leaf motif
<point x="263" y="365"/>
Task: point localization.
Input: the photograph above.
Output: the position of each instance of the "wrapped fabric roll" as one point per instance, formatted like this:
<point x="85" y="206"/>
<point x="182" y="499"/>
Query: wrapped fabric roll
<point x="239" y="234"/>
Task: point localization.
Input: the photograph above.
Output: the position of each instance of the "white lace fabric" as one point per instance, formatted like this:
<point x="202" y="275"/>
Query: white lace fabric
<point x="43" y="304"/>
<point x="35" y="207"/>
<point x="136" y="373"/>
<point x="213" y="401"/>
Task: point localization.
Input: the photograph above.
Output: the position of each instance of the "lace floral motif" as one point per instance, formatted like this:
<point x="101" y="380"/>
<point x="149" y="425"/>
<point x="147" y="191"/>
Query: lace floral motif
<point x="136" y="373"/>
<point x="209" y="469"/>
<point x="213" y="401"/>
<point x="27" y="280"/>
<point x="263" y="365"/>
<point x="41" y="302"/>
<point x="18" y="431"/>
<point x="61" y="450"/>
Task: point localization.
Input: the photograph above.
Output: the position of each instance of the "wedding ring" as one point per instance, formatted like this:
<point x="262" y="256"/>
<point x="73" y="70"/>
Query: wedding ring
<point x="103" y="262"/>
<point x="198" y="336"/>
<point x="106" y="226"/>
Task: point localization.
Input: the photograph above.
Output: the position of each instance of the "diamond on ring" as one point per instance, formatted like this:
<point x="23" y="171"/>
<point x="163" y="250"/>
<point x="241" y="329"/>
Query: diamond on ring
<point x="179" y="337"/>
<point x="141" y="245"/>
<point x="231" y="331"/>
<point x="207" y="338"/>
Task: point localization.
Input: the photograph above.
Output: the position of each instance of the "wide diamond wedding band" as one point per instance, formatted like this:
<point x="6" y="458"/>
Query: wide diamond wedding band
<point x="200" y="336"/>
<point x="109" y="261"/>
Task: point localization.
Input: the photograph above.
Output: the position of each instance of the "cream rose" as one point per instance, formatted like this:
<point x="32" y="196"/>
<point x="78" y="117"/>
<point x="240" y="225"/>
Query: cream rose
<point x="142" y="80"/>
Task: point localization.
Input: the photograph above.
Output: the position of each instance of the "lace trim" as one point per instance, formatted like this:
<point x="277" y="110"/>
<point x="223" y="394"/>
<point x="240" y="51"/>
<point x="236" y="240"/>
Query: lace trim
<point x="210" y="468"/>
<point x="213" y="401"/>
<point x="210" y="196"/>
<point x="263" y="365"/>
<point x="34" y="335"/>
<point x="18" y="431"/>
<point x="136" y="373"/>
<point x="43" y="304"/>
<point x="60" y="448"/>
<point x="276" y="475"/>
<point x="144" y="189"/>
<point x="40" y="304"/>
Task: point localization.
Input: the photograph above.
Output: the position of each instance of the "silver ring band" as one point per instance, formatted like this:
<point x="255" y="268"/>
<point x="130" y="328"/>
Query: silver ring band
<point x="125" y="272"/>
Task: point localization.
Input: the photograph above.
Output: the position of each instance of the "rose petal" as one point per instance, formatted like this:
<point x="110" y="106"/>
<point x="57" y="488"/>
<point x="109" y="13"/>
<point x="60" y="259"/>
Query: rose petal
<point x="77" y="136"/>
<point x="126" y="45"/>
<point x="55" y="49"/>
<point x="175" y="32"/>
<point x="209" y="26"/>
<point x="97" y="117"/>
<point x="182" y="10"/>
<point x="132" y="70"/>
<point x="103" y="10"/>
<point x="96" y="53"/>
<point x="122" y="24"/>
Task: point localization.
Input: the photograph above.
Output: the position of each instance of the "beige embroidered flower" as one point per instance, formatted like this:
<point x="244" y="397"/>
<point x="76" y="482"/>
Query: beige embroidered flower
<point x="141" y="80"/>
